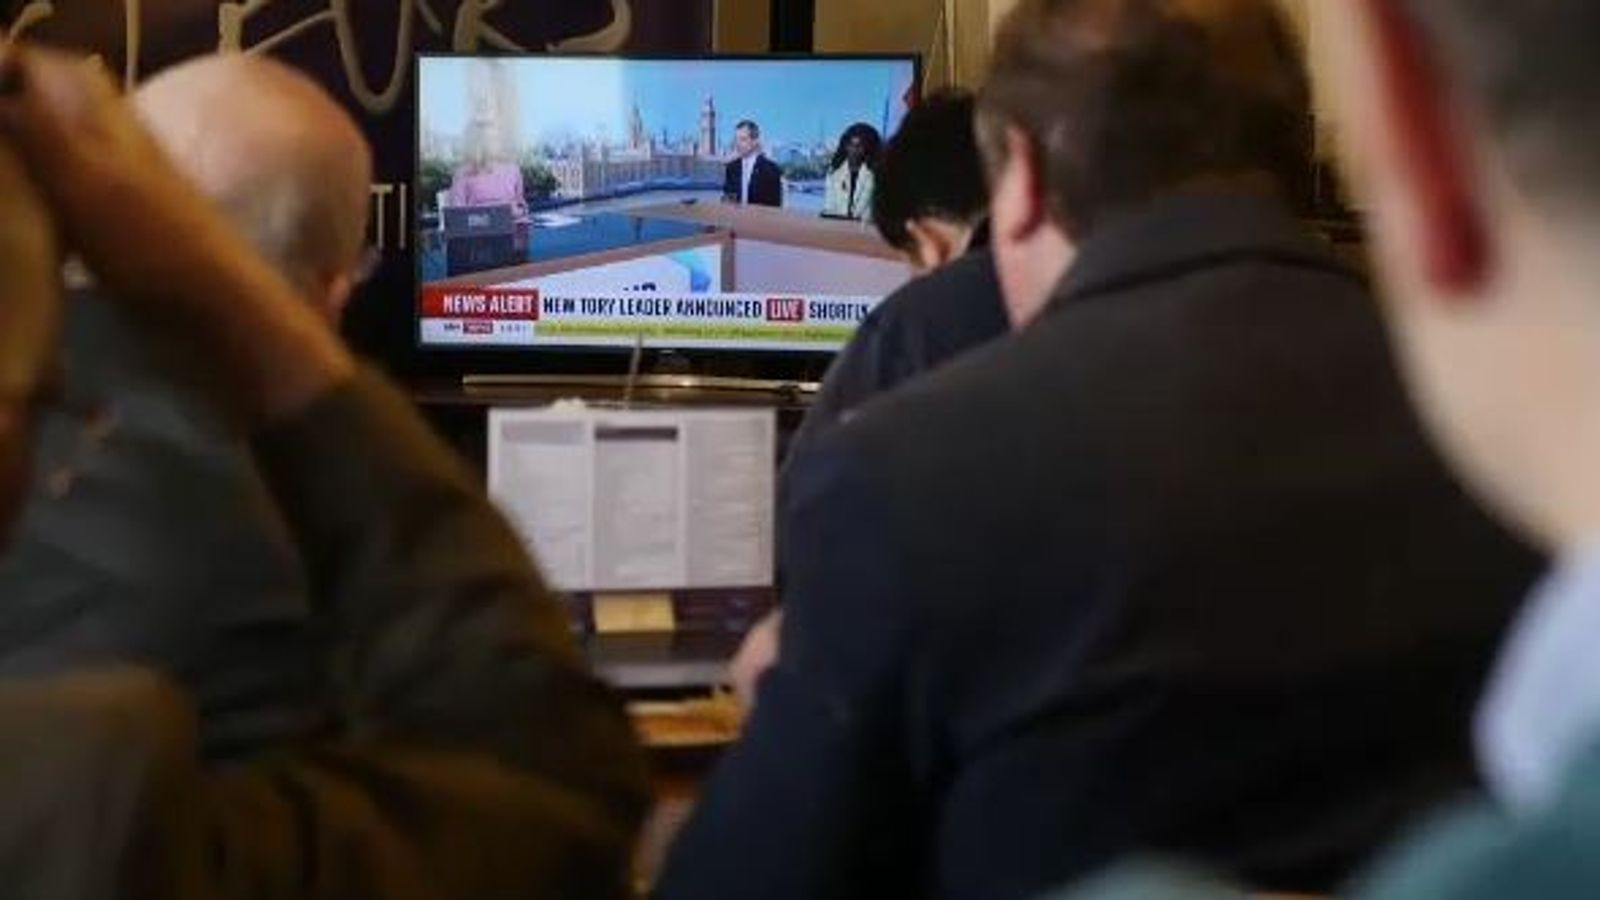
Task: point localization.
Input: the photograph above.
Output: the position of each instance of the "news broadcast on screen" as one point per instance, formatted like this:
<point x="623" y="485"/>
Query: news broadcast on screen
<point x="683" y="203"/>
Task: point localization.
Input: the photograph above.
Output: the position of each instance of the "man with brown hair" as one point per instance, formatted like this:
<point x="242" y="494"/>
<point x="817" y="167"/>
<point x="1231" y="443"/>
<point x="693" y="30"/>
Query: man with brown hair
<point x="1471" y="126"/>
<point x="1171" y="569"/>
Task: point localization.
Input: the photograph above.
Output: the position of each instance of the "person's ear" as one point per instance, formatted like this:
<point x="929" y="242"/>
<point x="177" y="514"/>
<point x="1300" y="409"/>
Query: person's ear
<point x="1429" y="151"/>
<point x="1019" y="200"/>
<point x="933" y="246"/>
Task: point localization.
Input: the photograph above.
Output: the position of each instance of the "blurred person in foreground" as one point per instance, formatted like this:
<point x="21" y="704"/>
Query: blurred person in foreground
<point x="1173" y="568"/>
<point x="932" y="205"/>
<point x="147" y="507"/>
<point x="462" y="751"/>
<point x="1473" y="144"/>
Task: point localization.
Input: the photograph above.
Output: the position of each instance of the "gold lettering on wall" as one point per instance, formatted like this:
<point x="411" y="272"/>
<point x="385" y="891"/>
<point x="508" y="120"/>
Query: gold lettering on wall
<point x="403" y="211"/>
<point x="380" y="214"/>
<point x="233" y="16"/>
<point x="131" y="44"/>
<point x="34" y="12"/>
<point x="384" y="213"/>
<point x="471" y="32"/>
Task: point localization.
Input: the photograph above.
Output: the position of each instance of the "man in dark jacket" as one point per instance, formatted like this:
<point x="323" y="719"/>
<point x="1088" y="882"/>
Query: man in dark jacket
<point x="1470" y="128"/>
<point x="751" y="178"/>
<point x="1172" y="569"/>
<point x="460" y="748"/>
<point x="931" y="204"/>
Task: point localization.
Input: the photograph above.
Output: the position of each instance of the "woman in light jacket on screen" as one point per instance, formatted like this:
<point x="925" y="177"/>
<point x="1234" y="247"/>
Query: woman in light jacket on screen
<point x="850" y="174"/>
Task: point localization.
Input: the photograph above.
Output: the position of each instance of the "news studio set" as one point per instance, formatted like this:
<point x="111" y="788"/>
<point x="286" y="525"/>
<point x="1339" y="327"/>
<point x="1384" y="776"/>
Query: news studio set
<point x="596" y="202"/>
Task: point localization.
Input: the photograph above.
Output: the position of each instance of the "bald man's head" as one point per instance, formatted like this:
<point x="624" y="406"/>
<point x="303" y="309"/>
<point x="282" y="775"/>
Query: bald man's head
<point x="277" y="153"/>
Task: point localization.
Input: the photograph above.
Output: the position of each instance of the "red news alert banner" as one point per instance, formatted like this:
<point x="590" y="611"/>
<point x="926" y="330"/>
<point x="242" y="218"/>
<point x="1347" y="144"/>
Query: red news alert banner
<point x="530" y="317"/>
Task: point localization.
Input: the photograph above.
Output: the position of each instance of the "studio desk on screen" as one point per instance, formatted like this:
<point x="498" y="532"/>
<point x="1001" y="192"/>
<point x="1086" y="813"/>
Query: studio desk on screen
<point x="757" y="250"/>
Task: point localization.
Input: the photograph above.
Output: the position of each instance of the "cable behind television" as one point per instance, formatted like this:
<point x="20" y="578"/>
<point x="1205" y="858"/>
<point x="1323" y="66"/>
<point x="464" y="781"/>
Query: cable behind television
<point x="635" y="362"/>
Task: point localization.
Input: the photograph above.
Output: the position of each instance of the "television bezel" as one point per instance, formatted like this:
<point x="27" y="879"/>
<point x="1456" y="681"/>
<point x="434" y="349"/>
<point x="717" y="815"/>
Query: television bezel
<point x="767" y="365"/>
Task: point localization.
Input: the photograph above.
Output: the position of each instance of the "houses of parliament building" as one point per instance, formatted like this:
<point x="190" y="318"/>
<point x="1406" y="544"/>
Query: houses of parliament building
<point x="646" y="160"/>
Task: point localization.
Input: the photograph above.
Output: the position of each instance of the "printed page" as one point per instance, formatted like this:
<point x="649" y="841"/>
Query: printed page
<point x="541" y="475"/>
<point x="730" y="461"/>
<point x="638" y="498"/>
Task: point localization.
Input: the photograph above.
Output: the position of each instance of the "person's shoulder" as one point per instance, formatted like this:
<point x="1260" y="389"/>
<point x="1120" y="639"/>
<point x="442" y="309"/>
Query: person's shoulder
<point x="1042" y="383"/>
<point x="99" y="343"/>
<point x="920" y="326"/>
<point x="1012" y="384"/>
<point x="1480" y="853"/>
<point x="115" y="361"/>
<point x="949" y="310"/>
<point x="930" y="469"/>
<point x="926" y="422"/>
<point x="972" y="275"/>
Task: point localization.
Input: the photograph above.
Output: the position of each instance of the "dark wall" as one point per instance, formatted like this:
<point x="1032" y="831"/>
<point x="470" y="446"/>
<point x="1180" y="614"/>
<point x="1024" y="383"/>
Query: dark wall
<point x="793" y="25"/>
<point x="361" y="50"/>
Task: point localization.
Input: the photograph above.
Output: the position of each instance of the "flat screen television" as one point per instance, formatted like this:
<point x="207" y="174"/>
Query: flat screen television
<point x="705" y="206"/>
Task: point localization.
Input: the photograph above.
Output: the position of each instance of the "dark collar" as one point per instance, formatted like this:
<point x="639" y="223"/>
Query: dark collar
<point x="1181" y="233"/>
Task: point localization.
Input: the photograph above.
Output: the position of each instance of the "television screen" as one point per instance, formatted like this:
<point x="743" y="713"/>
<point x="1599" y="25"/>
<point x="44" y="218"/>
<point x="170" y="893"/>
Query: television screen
<point x="712" y="203"/>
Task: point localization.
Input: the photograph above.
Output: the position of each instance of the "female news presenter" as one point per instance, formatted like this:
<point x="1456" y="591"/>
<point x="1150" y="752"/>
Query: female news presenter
<point x="850" y="174"/>
<point x="485" y="178"/>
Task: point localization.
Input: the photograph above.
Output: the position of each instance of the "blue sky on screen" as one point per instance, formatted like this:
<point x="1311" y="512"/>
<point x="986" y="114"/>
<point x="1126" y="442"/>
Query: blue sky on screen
<point x="795" y="101"/>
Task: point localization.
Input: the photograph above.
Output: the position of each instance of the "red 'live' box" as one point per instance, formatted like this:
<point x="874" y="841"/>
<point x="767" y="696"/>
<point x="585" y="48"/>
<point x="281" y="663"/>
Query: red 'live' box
<point x="786" y="309"/>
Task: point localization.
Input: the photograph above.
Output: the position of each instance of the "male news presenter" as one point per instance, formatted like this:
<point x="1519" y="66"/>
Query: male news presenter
<point x="751" y="179"/>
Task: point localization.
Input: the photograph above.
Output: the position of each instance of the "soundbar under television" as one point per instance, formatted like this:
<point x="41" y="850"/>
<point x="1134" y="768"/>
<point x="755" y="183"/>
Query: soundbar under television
<point x="693" y="204"/>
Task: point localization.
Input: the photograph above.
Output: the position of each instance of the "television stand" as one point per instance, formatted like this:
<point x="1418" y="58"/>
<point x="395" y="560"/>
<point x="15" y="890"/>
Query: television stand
<point x="650" y="389"/>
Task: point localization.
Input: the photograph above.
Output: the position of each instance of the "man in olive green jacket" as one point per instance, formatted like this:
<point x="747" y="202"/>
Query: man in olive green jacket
<point x="462" y="748"/>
